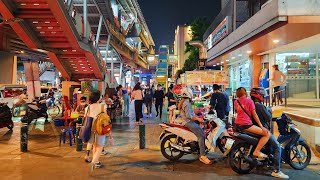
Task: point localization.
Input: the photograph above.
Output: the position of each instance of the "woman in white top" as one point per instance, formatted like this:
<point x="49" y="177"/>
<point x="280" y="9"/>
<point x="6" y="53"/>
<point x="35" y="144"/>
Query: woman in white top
<point x="137" y="96"/>
<point x="278" y="79"/>
<point x="97" y="141"/>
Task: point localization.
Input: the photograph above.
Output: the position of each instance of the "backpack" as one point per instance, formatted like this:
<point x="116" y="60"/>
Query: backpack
<point x="102" y="125"/>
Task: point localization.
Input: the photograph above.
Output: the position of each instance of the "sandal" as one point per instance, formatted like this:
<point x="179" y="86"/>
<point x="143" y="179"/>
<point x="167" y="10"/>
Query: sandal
<point x="261" y="156"/>
<point x="205" y="160"/>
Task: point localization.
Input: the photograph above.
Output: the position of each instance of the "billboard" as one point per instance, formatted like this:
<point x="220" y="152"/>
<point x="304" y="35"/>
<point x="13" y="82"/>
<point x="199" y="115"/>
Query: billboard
<point x="222" y="30"/>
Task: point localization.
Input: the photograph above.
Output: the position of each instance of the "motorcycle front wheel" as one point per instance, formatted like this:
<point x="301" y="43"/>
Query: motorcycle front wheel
<point x="169" y="152"/>
<point x="299" y="156"/>
<point x="237" y="160"/>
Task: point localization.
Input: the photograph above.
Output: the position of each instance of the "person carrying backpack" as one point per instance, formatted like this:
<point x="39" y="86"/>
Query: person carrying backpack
<point x="97" y="113"/>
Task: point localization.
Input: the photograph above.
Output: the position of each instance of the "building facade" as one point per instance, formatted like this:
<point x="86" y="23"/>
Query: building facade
<point x="183" y="34"/>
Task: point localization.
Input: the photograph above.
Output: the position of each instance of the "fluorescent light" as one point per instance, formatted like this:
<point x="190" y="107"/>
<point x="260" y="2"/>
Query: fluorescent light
<point x="227" y="60"/>
<point x="233" y="58"/>
<point x="276" y="41"/>
<point x="240" y="55"/>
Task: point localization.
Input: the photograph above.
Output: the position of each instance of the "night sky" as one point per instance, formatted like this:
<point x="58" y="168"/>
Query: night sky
<point x="163" y="16"/>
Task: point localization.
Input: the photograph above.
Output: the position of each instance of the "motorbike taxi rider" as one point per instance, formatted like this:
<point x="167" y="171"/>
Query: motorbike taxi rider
<point x="257" y="95"/>
<point x="189" y="120"/>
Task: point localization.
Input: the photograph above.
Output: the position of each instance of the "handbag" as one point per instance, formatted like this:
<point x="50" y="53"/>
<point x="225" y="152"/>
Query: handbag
<point x="85" y="131"/>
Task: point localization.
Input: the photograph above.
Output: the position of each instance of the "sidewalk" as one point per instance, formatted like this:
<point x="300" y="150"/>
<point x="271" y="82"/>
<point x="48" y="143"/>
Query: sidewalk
<point x="46" y="160"/>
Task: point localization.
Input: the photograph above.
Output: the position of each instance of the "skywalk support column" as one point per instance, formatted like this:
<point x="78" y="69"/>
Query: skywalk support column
<point x="33" y="79"/>
<point x="85" y="17"/>
<point x="120" y="73"/>
<point x="256" y="63"/>
<point x="8" y="68"/>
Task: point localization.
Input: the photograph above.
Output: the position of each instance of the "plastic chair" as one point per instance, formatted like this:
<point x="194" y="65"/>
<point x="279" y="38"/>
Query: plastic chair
<point x="63" y="135"/>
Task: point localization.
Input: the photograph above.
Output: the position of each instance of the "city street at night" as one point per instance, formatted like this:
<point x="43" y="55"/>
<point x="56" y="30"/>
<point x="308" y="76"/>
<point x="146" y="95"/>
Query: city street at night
<point x="159" y="89"/>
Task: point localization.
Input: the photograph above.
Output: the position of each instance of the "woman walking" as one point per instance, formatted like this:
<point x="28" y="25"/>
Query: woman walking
<point x="97" y="141"/>
<point x="137" y="96"/>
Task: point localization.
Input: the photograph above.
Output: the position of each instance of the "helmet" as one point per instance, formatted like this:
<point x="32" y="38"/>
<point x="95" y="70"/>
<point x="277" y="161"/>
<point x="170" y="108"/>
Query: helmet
<point x="187" y="93"/>
<point x="258" y="93"/>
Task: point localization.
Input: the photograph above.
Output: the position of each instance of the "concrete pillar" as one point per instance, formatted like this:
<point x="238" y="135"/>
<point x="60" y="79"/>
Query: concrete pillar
<point x="272" y="61"/>
<point x="8" y="68"/>
<point x="257" y="66"/>
<point x="32" y="78"/>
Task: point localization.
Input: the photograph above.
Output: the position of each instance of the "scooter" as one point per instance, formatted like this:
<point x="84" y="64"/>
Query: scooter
<point x="178" y="140"/>
<point x="5" y="116"/>
<point x="33" y="111"/>
<point x="294" y="149"/>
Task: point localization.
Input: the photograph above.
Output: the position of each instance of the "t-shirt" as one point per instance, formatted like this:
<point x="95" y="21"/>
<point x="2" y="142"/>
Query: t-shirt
<point x="95" y="110"/>
<point x="226" y="95"/>
<point x="148" y="95"/>
<point x="278" y="78"/>
<point x="218" y="101"/>
<point x="247" y="104"/>
<point x="186" y="112"/>
<point x="170" y="97"/>
<point x="158" y="95"/>
<point x="137" y="94"/>
<point x="264" y="115"/>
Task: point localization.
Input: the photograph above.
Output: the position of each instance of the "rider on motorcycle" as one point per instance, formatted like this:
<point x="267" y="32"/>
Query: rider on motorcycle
<point x="257" y="95"/>
<point x="189" y="120"/>
<point x="245" y="113"/>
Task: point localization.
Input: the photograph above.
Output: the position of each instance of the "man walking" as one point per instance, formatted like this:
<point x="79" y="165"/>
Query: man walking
<point x="158" y="99"/>
<point x="218" y="102"/>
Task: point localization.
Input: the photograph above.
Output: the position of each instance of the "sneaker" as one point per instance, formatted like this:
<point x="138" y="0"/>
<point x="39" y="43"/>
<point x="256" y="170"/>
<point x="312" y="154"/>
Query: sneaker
<point x="98" y="165"/>
<point x="279" y="174"/>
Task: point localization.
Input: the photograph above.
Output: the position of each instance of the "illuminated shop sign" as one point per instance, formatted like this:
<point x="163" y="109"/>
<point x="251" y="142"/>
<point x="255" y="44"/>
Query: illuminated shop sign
<point x="218" y="34"/>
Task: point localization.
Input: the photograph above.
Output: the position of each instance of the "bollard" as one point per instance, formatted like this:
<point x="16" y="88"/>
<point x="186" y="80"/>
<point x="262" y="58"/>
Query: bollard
<point x="142" y="136"/>
<point x="79" y="144"/>
<point x="24" y="137"/>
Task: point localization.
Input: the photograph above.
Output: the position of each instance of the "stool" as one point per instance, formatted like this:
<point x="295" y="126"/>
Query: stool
<point x="63" y="135"/>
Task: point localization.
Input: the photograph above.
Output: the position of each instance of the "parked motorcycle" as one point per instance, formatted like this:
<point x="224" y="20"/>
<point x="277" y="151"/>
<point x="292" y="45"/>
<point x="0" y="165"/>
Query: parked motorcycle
<point x="33" y="111"/>
<point x="294" y="149"/>
<point x="5" y="116"/>
<point x="178" y="140"/>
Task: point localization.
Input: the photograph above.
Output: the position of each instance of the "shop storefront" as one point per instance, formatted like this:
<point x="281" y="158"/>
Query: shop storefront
<point x="281" y="33"/>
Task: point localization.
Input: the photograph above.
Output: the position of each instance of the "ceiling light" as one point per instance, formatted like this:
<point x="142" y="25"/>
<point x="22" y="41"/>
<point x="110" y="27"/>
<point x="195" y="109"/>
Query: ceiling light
<point x="218" y="63"/>
<point x="21" y="51"/>
<point x="79" y="61"/>
<point x="240" y="55"/>
<point x="276" y="41"/>
<point x="42" y="32"/>
<point x="81" y="64"/>
<point x="73" y="50"/>
<point x="222" y="62"/>
<point x="76" y="70"/>
<point x="85" y="70"/>
<point x="47" y="22"/>
<point x="75" y="67"/>
<point x="233" y="58"/>
<point x="64" y="50"/>
<point x="35" y="22"/>
<point x="227" y="60"/>
<point x="39" y="27"/>
<point x="214" y="65"/>
<point x="83" y="67"/>
<point x="73" y="64"/>
<point x="249" y="52"/>
<point x="50" y="27"/>
<point x="53" y="32"/>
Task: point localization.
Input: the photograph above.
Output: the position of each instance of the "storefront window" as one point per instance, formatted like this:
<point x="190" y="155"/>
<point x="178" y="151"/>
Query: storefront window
<point x="240" y="75"/>
<point x="301" y="74"/>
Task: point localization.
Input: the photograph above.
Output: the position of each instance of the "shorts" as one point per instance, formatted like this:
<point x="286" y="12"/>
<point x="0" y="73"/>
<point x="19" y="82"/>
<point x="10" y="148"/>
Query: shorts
<point x="97" y="139"/>
<point x="172" y="107"/>
<point x="243" y="127"/>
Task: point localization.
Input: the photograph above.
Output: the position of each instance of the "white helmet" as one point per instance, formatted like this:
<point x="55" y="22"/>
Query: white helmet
<point x="187" y="93"/>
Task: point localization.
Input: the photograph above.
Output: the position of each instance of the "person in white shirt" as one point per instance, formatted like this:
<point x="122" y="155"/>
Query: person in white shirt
<point x="97" y="141"/>
<point x="278" y="79"/>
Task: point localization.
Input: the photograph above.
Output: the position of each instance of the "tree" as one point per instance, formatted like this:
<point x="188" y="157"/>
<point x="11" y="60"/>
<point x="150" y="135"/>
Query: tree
<point x="198" y="28"/>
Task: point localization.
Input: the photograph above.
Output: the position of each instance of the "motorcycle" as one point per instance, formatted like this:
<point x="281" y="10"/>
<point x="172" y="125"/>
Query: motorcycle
<point x="36" y="109"/>
<point x="5" y="116"/>
<point x="294" y="150"/>
<point x="178" y="140"/>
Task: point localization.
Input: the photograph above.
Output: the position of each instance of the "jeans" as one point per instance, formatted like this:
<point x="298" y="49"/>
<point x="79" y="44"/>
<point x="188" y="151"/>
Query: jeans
<point x="277" y="94"/>
<point x="138" y="109"/>
<point x="126" y="100"/>
<point x="276" y="149"/>
<point x="159" y="105"/>
<point x="198" y="131"/>
<point x="221" y="114"/>
<point x="149" y="106"/>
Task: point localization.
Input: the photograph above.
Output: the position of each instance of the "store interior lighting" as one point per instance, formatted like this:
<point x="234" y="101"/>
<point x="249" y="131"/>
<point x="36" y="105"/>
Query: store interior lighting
<point x="249" y="52"/>
<point x="276" y="41"/>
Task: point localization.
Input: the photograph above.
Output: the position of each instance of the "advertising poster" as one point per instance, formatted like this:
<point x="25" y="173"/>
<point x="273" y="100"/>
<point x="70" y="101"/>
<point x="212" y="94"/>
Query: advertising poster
<point x="207" y="77"/>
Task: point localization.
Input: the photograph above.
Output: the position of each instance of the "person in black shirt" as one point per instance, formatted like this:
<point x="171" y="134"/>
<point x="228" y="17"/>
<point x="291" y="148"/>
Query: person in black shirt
<point x="171" y="104"/>
<point x="158" y="98"/>
<point x="257" y="95"/>
<point x="218" y="102"/>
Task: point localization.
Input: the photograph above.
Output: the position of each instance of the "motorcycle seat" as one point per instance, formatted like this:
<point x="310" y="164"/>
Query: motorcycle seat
<point x="178" y="126"/>
<point x="251" y="134"/>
